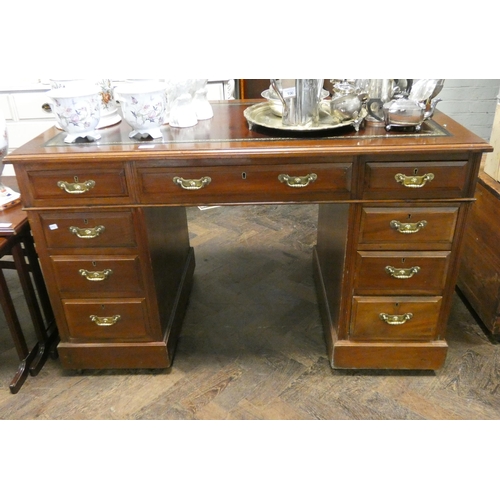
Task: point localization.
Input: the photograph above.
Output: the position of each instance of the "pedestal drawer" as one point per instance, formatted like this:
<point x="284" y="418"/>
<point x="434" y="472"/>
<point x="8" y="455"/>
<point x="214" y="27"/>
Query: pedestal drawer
<point x="88" y="229"/>
<point x="416" y="273"/>
<point x="416" y="179"/>
<point x="123" y="320"/>
<point x="115" y="276"/>
<point x="204" y="185"/>
<point x="77" y="185"/>
<point x="408" y="227"/>
<point x="394" y="318"/>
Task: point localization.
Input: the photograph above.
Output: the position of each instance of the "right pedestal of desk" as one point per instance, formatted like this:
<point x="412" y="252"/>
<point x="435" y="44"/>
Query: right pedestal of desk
<point x="386" y="267"/>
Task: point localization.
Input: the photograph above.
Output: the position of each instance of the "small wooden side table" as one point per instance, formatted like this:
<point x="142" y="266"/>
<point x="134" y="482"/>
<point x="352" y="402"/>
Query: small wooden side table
<point x="16" y="240"/>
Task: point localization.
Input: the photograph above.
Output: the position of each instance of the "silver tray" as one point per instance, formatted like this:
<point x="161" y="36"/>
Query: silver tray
<point x="261" y="115"/>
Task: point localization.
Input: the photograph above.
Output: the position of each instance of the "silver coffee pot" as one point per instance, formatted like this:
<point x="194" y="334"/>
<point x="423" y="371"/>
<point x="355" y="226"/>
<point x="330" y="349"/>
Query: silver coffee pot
<point x="300" y="99"/>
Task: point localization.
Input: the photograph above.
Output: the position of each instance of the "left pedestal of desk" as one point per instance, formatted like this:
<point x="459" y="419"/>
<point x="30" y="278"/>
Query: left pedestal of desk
<point x="119" y="279"/>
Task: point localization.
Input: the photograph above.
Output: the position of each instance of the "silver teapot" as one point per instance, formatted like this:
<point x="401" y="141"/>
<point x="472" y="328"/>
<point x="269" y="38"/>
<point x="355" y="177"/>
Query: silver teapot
<point x="404" y="112"/>
<point x="347" y="101"/>
<point x="413" y="107"/>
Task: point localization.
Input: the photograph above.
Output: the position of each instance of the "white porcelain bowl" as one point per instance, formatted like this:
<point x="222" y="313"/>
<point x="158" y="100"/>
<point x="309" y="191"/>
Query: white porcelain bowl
<point x="144" y="107"/>
<point x="109" y="110"/>
<point x="77" y="111"/>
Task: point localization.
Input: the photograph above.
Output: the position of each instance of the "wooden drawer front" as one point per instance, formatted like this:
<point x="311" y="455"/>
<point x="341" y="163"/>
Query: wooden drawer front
<point x="449" y="179"/>
<point x="107" y="320"/>
<point x="368" y="325"/>
<point x="410" y="227"/>
<point x="117" y="276"/>
<point x="88" y="230"/>
<point x="383" y="273"/>
<point x="205" y="185"/>
<point x="103" y="184"/>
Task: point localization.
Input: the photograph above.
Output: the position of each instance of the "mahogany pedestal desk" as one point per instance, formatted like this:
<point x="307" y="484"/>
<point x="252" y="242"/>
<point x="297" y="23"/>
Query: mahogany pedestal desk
<point x="109" y="222"/>
<point x="16" y="240"/>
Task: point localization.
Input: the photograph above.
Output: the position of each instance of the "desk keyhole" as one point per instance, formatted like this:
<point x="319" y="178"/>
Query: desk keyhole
<point x="243" y="175"/>
<point x="415" y="172"/>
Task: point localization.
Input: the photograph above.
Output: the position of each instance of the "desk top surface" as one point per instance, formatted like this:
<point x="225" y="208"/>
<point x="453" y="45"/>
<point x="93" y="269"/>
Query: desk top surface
<point x="229" y="133"/>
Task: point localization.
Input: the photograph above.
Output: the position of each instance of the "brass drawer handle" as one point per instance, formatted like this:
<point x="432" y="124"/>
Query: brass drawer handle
<point x="76" y="187"/>
<point x="96" y="275"/>
<point x="402" y="274"/>
<point x="408" y="227"/>
<point x="413" y="181"/>
<point x="395" y="319"/>
<point x="87" y="233"/>
<point x="192" y="184"/>
<point x="297" y="181"/>
<point x="105" y="320"/>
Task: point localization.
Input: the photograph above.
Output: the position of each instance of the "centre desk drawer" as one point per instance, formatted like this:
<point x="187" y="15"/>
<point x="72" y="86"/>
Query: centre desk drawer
<point x="383" y="273"/>
<point x="76" y="185"/>
<point x="107" y="320"/>
<point x="88" y="229"/>
<point x="250" y="183"/>
<point x="118" y="276"/>
<point x="394" y="318"/>
<point x="426" y="227"/>
<point x="416" y="179"/>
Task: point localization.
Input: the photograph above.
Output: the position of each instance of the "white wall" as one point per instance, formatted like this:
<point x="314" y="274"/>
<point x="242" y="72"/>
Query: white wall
<point x="472" y="103"/>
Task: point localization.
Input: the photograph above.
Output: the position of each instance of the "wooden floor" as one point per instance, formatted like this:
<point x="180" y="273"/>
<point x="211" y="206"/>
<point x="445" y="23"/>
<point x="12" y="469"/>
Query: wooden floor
<point x="252" y="346"/>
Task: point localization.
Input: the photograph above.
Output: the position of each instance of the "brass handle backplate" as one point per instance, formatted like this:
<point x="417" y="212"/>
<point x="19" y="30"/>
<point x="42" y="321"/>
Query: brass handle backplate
<point x="395" y="319"/>
<point x="402" y="274"/>
<point x="105" y="320"/>
<point x="192" y="184"/>
<point x="297" y="181"/>
<point x="96" y="275"/>
<point x="413" y="181"/>
<point x="87" y="233"/>
<point x="76" y="187"/>
<point x="408" y="227"/>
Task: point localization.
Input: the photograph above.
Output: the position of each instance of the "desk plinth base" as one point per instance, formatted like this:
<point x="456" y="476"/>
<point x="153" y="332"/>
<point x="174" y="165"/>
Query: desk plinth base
<point x="145" y="355"/>
<point x="346" y="354"/>
<point x="396" y="356"/>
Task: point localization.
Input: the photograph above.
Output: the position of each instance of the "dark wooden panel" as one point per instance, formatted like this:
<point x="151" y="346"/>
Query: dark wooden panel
<point x="479" y="277"/>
